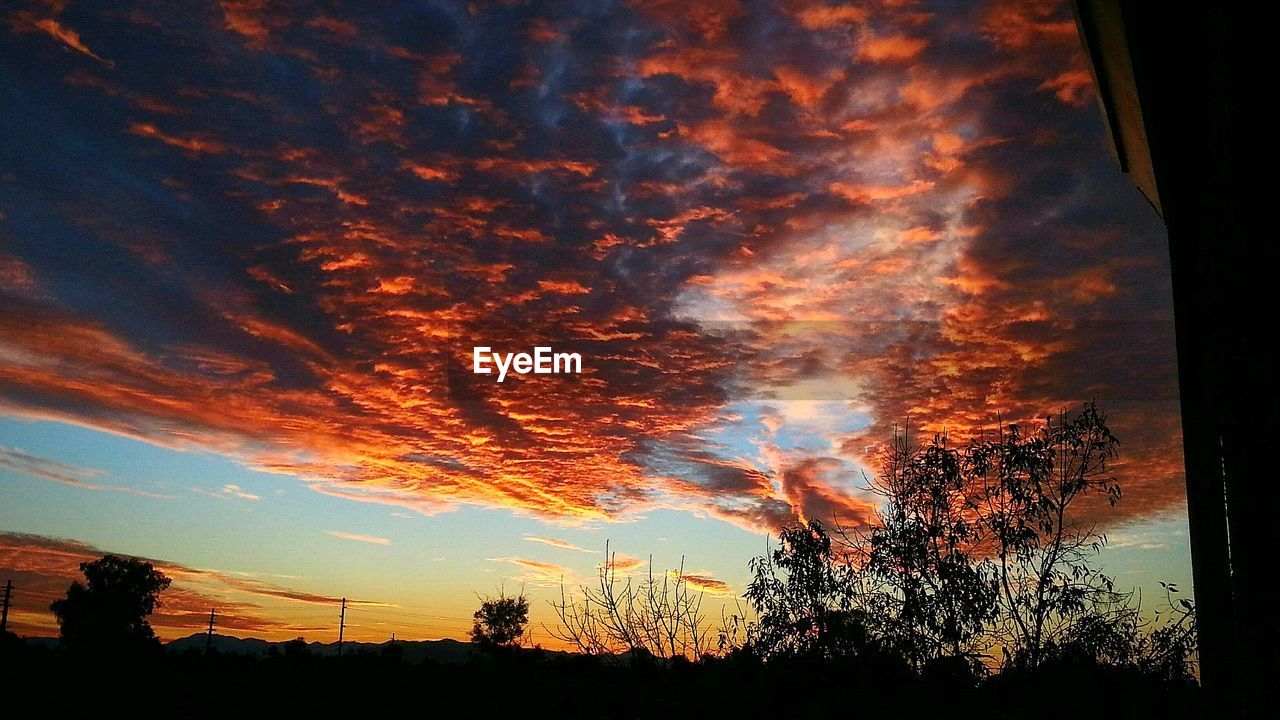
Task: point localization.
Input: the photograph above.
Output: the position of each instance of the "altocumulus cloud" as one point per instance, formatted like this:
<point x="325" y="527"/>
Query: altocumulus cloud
<point x="327" y="206"/>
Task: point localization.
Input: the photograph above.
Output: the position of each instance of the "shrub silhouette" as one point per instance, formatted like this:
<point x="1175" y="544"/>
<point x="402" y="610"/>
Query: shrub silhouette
<point x="110" y="609"/>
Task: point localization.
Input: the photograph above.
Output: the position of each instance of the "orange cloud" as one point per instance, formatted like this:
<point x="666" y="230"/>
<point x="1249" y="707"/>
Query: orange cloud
<point x="934" y="208"/>
<point x="195" y="145"/>
<point x="1074" y="87"/>
<point x="69" y="37"/>
<point x="707" y="584"/>
<point x="42" y="568"/>
<point x="538" y="571"/>
<point x="731" y="146"/>
<point x="822" y="16"/>
<point x="249" y="18"/>
<point x="891" y="48"/>
<point x="16" y="274"/>
<point x="708" y="20"/>
<point x="558" y="543"/>
<point x="622" y="563"/>
<point x="879" y="193"/>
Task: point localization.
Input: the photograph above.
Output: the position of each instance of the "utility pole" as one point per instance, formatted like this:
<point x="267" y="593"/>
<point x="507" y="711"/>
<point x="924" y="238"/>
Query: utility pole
<point x="4" y="616"/>
<point x="342" y="624"/>
<point x="208" y="640"/>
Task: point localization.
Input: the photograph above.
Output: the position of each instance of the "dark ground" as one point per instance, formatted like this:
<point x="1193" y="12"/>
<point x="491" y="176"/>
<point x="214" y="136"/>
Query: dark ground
<point x="535" y="684"/>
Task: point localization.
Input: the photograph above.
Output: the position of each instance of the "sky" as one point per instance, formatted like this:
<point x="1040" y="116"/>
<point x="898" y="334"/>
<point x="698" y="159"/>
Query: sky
<point x="247" y="247"/>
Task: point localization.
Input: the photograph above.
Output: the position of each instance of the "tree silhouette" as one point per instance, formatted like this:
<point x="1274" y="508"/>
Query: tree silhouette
<point x="976" y="551"/>
<point x="641" y="616"/>
<point x="1043" y="551"/>
<point x="9" y="640"/>
<point x="110" y="609"/>
<point x="1162" y="648"/>
<point x="923" y="559"/>
<point x="500" y="621"/>
<point x="804" y="597"/>
<point x="297" y="649"/>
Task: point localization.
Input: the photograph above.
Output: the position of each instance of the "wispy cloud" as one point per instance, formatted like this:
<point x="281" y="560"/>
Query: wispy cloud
<point x="537" y="570"/>
<point x="622" y="563"/>
<point x="1146" y="539"/>
<point x="45" y="469"/>
<point x="235" y="491"/>
<point x="558" y="543"/>
<point x="29" y="22"/>
<point x="704" y="582"/>
<point x="371" y="539"/>
<point x="228" y="492"/>
<point x="59" y="472"/>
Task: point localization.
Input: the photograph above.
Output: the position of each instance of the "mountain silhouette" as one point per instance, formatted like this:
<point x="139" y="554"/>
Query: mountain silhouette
<point x="413" y="651"/>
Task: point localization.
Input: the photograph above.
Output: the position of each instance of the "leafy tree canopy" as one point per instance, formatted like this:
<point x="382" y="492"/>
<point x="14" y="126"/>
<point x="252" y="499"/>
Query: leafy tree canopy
<point x="110" y="609"/>
<point x="500" y="621"/>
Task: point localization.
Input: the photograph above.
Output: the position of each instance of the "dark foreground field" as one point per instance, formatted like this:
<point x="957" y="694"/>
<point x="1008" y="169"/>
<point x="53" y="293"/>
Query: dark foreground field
<point x="537" y="684"/>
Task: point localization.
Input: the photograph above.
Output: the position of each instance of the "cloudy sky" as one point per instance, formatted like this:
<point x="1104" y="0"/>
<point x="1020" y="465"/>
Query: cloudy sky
<point x="246" y="249"/>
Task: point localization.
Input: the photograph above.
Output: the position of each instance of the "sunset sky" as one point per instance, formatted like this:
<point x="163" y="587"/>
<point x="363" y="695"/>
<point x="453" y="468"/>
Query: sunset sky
<point x="246" y="248"/>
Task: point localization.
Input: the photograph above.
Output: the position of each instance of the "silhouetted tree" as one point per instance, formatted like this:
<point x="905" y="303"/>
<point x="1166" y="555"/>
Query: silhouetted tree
<point x="642" y="617"/>
<point x="1162" y="647"/>
<point x="803" y="595"/>
<point x="110" y="609"/>
<point x="975" y="551"/>
<point x="10" y="641"/>
<point x="933" y="592"/>
<point x="500" y="621"/>
<point x="1042" y="549"/>
<point x="393" y="650"/>
<point x="297" y="649"/>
